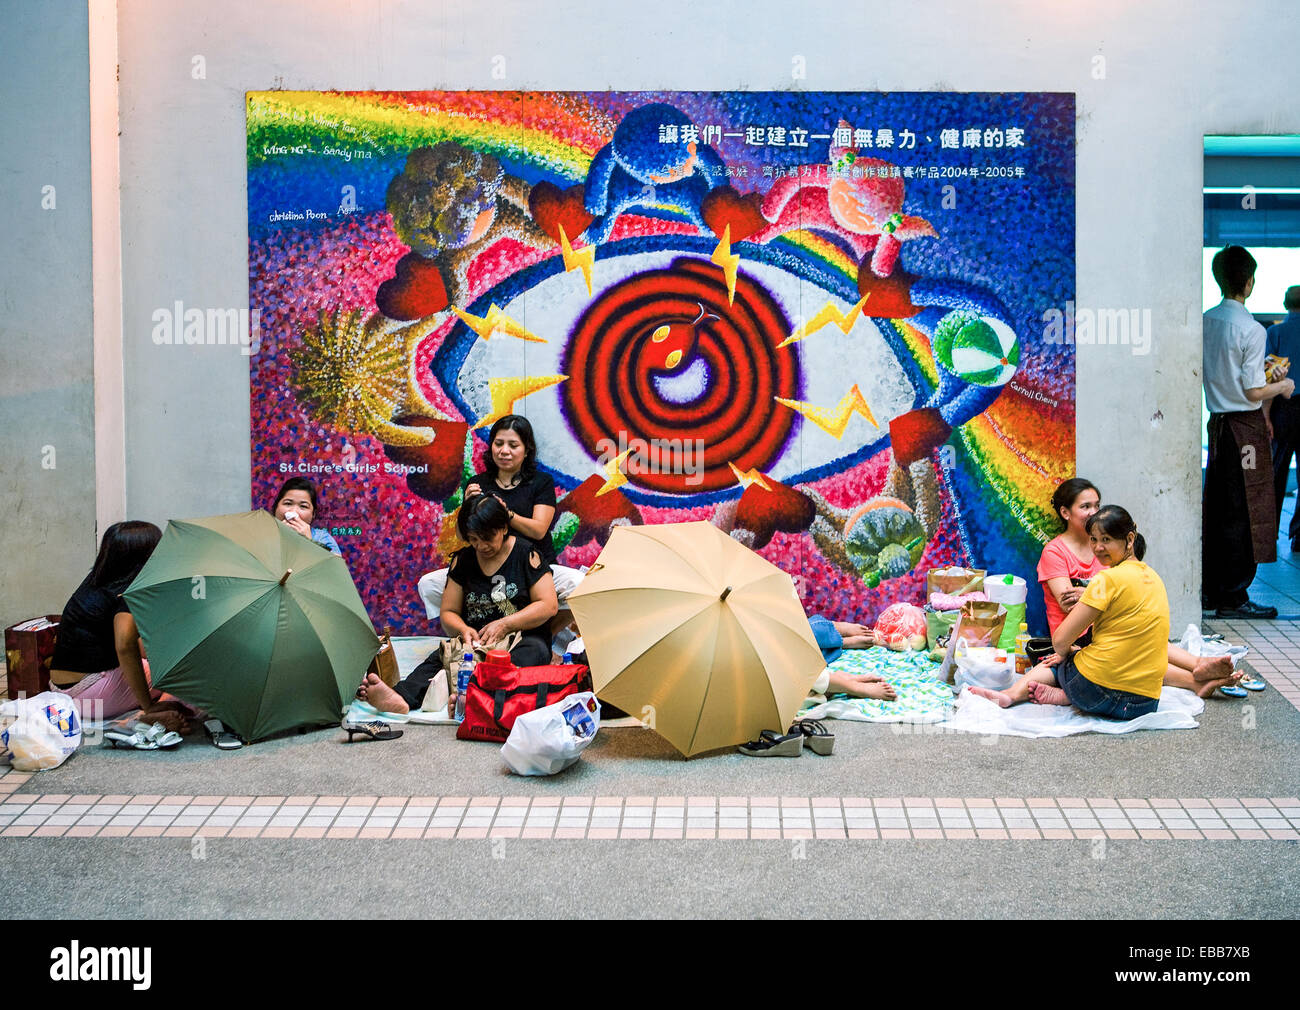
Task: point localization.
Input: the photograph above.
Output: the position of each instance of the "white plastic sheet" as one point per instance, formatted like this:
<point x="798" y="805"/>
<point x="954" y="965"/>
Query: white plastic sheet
<point x="973" y="714"/>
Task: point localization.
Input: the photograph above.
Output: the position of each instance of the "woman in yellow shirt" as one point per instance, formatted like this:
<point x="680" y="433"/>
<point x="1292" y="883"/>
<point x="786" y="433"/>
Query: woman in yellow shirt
<point x="1119" y="674"/>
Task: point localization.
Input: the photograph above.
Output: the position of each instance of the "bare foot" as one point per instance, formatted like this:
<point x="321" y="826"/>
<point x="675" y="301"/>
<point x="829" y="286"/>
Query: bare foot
<point x="170" y="718"/>
<point x="1210" y="686"/>
<point x="1045" y="694"/>
<point x="856" y="636"/>
<point x="880" y="691"/>
<point x="861" y="685"/>
<point x="1003" y="699"/>
<point x="1212" y="668"/>
<point x="377" y="694"/>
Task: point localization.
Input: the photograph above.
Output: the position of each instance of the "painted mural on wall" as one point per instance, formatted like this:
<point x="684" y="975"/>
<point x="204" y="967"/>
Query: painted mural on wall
<point x="814" y="319"/>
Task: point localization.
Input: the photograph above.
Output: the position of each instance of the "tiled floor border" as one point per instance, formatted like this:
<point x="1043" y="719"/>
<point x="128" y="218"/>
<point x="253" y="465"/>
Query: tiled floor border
<point x="36" y="815"/>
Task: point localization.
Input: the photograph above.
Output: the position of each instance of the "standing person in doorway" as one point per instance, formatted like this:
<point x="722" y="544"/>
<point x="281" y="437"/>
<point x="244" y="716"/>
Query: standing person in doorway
<point x="1238" y="515"/>
<point x="1284" y="341"/>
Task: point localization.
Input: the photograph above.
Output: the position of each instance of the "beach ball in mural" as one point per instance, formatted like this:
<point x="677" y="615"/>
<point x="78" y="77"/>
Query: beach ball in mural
<point x="977" y="349"/>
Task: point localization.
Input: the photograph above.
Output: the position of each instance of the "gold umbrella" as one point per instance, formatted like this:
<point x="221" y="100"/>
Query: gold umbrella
<point x="696" y="634"/>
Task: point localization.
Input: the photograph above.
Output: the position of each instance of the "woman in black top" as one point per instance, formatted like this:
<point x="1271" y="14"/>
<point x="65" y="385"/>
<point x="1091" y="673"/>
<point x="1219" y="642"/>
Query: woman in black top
<point x="97" y="658"/>
<point x="497" y="585"/>
<point x="510" y="475"/>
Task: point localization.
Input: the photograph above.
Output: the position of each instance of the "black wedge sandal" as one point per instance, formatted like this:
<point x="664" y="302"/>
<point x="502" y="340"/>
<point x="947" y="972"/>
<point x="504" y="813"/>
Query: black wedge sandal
<point x="375" y="730"/>
<point x="770" y="744"/>
<point x="817" y="737"/>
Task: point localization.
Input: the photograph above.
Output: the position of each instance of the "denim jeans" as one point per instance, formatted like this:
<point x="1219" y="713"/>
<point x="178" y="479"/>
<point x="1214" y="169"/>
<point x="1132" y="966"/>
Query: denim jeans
<point x="828" y="639"/>
<point x="1097" y="700"/>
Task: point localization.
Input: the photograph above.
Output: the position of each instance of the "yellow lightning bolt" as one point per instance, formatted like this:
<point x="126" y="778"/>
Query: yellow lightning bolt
<point x="614" y="476"/>
<point x="834" y="420"/>
<point x="505" y="392"/>
<point x="497" y="321"/>
<point x="751" y="476"/>
<point x="827" y="315"/>
<point x="723" y="257"/>
<point x="582" y="258"/>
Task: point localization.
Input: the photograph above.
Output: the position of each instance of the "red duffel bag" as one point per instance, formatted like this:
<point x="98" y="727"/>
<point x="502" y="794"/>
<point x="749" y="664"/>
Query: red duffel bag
<point x="498" y="694"/>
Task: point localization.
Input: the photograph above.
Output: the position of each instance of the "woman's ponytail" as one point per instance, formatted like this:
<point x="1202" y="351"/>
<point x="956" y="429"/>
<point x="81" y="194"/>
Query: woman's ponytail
<point x="1117" y="524"/>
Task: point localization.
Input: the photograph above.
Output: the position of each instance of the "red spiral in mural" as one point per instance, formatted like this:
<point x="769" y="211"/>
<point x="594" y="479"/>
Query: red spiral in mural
<point x="661" y="362"/>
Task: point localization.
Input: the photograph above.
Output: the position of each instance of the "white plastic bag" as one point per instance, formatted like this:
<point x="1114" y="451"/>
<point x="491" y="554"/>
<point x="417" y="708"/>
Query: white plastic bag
<point x="39" y="733"/>
<point x="549" y="739"/>
<point x="980" y="666"/>
<point x="1194" y="642"/>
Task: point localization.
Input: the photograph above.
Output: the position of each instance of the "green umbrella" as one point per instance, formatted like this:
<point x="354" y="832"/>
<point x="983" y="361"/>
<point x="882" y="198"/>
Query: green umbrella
<point x="252" y="622"/>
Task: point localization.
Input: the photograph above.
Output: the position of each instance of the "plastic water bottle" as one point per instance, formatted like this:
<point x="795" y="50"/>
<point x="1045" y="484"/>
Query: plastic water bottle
<point x="462" y="684"/>
<point x="568" y="658"/>
<point x="1022" y="650"/>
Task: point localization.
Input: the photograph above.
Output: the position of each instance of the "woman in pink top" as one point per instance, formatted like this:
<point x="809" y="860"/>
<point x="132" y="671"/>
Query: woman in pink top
<point x="1070" y="555"/>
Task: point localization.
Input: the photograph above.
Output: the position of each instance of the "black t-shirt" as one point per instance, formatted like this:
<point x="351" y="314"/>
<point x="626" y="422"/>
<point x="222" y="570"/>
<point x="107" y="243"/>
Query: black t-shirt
<point x="521" y="499"/>
<point x="489" y="598"/>
<point x="85" y="643"/>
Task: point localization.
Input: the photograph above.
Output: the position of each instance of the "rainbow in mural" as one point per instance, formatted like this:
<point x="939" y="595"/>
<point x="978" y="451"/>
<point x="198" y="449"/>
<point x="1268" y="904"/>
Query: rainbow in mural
<point x="813" y="319"/>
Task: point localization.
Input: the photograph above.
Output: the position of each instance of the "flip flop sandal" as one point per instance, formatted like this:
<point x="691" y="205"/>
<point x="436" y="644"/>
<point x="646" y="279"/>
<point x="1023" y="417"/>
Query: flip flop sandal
<point x="221" y="737"/>
<point x="375" y="730"/>
<point x="1232" y="691"/>
<point x="1251" y="683"/>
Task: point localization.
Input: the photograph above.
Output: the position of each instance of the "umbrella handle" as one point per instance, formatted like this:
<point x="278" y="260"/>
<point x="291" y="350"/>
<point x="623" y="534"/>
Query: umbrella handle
<point x="725" y="593"/>
<point x="285" y="577"/>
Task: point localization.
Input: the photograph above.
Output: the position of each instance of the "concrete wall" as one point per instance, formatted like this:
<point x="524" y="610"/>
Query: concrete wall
<point x="47" y="442"/>
<point x="1151" y="79"/>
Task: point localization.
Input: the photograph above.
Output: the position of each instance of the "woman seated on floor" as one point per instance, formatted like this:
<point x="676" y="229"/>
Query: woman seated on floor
<point x="510" y="475"/>
<point x="496" y="585"/>
<point x="1117" y="675"/>
<point x="98" y="660"/>
<point x="296" y="505"/>
<point x="833" y="637"/>
<point x="1070" y="557"/>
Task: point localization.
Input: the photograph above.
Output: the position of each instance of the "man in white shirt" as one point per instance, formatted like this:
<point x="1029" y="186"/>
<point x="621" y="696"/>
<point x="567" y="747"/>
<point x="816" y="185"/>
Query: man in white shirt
<point x="1284" y="342"/>
<point x="1238" y="516"/>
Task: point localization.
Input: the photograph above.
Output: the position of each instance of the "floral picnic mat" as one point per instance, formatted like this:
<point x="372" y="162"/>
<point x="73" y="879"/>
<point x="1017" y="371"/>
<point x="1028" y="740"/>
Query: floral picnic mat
<point x="922" y="696"/>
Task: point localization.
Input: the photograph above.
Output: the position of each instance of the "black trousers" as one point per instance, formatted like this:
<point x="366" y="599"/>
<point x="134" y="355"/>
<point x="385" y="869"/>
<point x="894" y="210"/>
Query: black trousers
<point x="1286" y="443"/>
<point x="1227" y="556"/>
<point x="532" y="650"/>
